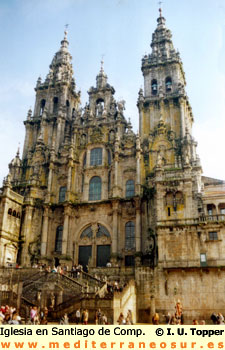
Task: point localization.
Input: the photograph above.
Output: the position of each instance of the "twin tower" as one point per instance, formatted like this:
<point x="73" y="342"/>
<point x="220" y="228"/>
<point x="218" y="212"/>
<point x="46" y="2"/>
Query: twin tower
<point x="89" y="190"/>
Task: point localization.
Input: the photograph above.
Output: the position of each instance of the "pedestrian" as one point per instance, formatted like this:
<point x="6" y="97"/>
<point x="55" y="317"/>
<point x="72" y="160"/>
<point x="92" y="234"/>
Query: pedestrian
<point x="65" y="319"/>
<point x="220" y="318"/>
<point x="121" y="319"/>
<point x="104" y="319"/>
<point x="167" y="318"/>
<point x="78" y="316"/>
<point x="130" y="317"/>
<point x="214" y="318"/>
<point x="85" y="317"/>
<point x="155" y="318"/>
<point x="99" y="316"/>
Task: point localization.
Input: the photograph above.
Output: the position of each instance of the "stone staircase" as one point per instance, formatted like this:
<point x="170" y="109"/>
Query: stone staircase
<point x="61" y="293"/>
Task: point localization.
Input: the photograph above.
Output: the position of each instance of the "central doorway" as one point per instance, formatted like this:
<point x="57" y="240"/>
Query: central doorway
<point x="85" y="253"/>
<point x="103" y="255"/>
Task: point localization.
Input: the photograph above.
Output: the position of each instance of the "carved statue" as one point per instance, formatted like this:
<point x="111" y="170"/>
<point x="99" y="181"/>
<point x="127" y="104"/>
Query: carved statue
<point x="121" y="106"/>
<point x="52" y="297"/>
<point x="99" y="109"/>
<point x="159" y="162"/>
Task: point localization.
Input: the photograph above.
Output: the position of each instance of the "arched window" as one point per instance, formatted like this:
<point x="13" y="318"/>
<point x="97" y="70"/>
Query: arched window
<point x="67" y="108"/>
<point x="87" y="233"/>
<point x="102" y="231"/>
<point x="95" y="188"/>
<point x="14" y="213"/>
<point x="58" y="239"/>
<point x="99" y="107"/>
<point x="154" y="87"/>
<point x="55" y="104"/>
<point x="10" y="211"/>
<point x="96" y="156"/>
<point x="130" y="191"/>
<point x="168" y="83"/>
<point x="62" y="194"/>
<point x="129" y="235"/>
<point x="42" y="106"/>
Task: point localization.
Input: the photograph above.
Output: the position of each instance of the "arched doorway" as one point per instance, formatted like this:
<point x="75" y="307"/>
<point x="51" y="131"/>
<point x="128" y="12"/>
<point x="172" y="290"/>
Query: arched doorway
<point x="94" y="246"/>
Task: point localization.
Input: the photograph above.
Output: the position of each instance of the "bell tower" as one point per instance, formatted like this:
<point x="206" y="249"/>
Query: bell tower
<point x="170" y="164"/>
<point x="165" y="114"/>
<point x="56" y="103"/>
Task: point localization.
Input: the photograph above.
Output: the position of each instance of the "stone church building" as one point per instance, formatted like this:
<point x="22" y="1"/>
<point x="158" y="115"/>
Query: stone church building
<point x="88" y="190"/>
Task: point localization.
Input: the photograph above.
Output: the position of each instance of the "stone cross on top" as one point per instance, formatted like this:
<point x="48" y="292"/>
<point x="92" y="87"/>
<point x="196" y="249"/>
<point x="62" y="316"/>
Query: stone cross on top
<point x="160" y="9"/>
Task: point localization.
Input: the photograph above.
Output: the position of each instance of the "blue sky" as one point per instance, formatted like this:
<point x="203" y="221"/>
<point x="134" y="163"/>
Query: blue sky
<point x="121" y="30"/>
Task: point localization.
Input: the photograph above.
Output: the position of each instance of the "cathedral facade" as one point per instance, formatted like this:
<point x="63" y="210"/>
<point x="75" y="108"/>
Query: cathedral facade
<point x="90" y="191"/>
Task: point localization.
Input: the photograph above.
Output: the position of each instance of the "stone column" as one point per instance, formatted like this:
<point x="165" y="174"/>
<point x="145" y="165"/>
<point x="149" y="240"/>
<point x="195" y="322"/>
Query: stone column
<point x="116" y="166"/>
<point x="69" y="178"/>
<point x="26" y="232"/>
<point x="138" y="226"/>
<point x="65" y="230"/>
<point x="138" y="161"/>
<point x="58" y="133"/>
<point x="27" y="139"/>
<point x="182" y="117"/>
<point x="51" y="166"/>
<point x="171" y="114"/>
<point x="115" y="228"/>
<point x="94" y="245"/>
<point x="88" y="158"/>
<point x="69" y="174"/>
<point x="44" y="236"/>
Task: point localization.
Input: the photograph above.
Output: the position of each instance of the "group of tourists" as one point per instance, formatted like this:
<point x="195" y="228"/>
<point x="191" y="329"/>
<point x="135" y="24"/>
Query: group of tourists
<point x="217" y="318"/>
<point x="9" y="315"/>
<point x="100" y="317"/>
<point x="128" y="320"/>
<point x="62" y="269"/>
<point x="37" y="315"/>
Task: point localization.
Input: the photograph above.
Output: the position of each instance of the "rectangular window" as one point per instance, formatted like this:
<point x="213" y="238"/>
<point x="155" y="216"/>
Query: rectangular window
<point x="168" y="211"/>
<point x="213" y="236"/>
<point x="222" y="211"/>
<point x="203" y="261"/>
<point x="96" y="156"/>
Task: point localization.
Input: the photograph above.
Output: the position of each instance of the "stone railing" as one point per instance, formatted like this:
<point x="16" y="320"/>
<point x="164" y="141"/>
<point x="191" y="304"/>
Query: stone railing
<point x="193" y="221"/>
<point x="194" y="263"/>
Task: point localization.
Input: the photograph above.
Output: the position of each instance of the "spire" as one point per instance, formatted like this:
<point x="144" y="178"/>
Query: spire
<point x="162" y="46"/>
<point x="101" y="79"/>
<point x="64" y="42"/>
<point x="60" y="69"/>
<point x="16" y="162"/>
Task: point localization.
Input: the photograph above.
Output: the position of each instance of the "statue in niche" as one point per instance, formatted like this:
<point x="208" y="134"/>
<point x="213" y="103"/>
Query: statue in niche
<point x="186" y="157"/>
<point x="52" y="297"/>
<point x="111" y="136"/>
<point x="159" y="162"/>
<point x="83" y="140"/>
<point x="112" y="110"/>
<point x="99" y="109"/>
